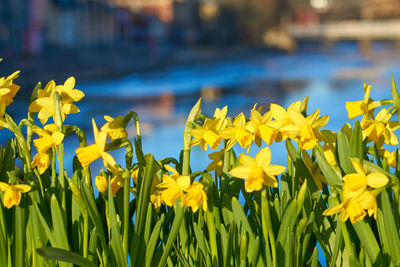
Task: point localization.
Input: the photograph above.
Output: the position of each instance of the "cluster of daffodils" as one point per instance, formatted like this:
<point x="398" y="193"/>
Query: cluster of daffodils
<point x="378" y="128"/>
<point x="277" y="125"/>
<point x="359" y="194"/>
<point x="175" y="186"/>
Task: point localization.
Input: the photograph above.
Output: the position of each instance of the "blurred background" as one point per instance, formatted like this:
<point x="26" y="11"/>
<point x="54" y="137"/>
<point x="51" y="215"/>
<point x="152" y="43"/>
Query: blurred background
<point x="157" y="57"/>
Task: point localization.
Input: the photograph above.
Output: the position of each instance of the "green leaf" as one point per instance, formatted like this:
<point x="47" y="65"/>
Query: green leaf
<point x="368" y="240"/>
<point x="176" y="225"/>
<point x="65" y="256"/>
<point x="196" y="110"/>
<point x="356" y="142"/>
<point x="201" y="243"/>
<point x="343" y="149"/>
<point x="116" y="242"/>
<point x="19" y="235"/>
<point x="151" y="245"/>
<point x="144" y="196"/>
<point x="240" y="217"/>
<point x="3" y="241"/>
<point x="330" y="174"/>
<point x="388" y="228"/>
<point x="95" y="217"/>
<point x="395" y="95"/>
<point x="59" y="229"/>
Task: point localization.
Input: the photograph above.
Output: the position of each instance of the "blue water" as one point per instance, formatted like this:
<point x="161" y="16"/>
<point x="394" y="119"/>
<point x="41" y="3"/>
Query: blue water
<point x="330" y="76"/>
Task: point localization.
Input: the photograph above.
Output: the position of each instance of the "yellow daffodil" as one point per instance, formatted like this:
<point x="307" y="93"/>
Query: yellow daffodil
<point x="117" y="182"/>
<point x="356" y="183"/>
<point x="114" y="127"/>
<point x="306" y="129"/>
<point x="362" y="107"/>
<point x="88" y="154"/>
<point x="195" y="197"/>
<point x="349" y="209"/>
<point x="220" y="117"/>
<point x="68" y="93"/>
<point x="391" y="157"/>
<point x="44" y="104"/>
<point x="217" y="162"/>
<point x="355" y="208"/>
<point x="173" y="186"/>
<point x="41" y="161"/>
<point x="240" y="133"/>
<point x="12" y="193"/>
<point x="49" y="137"/>
<point x="380" y="130"/>
<point x="258" y="171"/>
<point x="206" y="135"/>
<point x="8" y="89"/>
<point x="101" y="183"/>
<point x="262" y="130"/>
<point x="155" y="194"/>
<point x="282" y="119"/>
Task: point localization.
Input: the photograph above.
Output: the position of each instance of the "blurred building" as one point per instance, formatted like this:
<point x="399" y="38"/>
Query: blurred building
<point x="34" y="25"/>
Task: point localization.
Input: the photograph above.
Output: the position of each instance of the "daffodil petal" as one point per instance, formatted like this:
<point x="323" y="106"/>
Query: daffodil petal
<point x="377" y="180"/>
<point x="241" y="172"/>
<point x="263" y="157"/>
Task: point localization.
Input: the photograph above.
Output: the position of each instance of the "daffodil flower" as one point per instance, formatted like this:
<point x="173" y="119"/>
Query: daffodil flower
<point x="258" y="171"/>
<point x="173" y="186"/>
<point x="217" y="161"/>
<point x="206" y="135"/>
<point x="101" y="183"/>
<point x="41" y="161"/>
<point x="391" y="157"/>
<point x="195" y="197"/>
<point x="88" y="154"/>
<point x="49" y="137"/>
<point x="306" y="129"/>
<point x="349" y="209"/>
<point x="8" y="89"/>
<point x="262" y="130"/>
<point x="44" y="104"/>
<point x="282" y="119"/>
<point x="209" y="133"/>
<point x="364" y="107"/>
<point x="240" y="133"/>
<point x="380" y="130"/>
<point x="356" y="183"/>
<point x="12" y="193"/>
<point x="114" y="128"/>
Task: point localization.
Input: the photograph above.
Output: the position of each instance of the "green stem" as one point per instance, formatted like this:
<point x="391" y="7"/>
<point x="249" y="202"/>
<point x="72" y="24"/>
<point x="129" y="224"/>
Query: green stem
<point x="186" y="162"/>
<point x="59" y="122"/>
<point x="267" y="225"/>
<point x="212" y="235"/>
<point x="53" y="169"/>
<point x="85" y="235"/>
<point x="347" y="240"/>
<point x="126" y="212"/>
<point x="225" y="171"/>
<point x="31" y="117"/>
